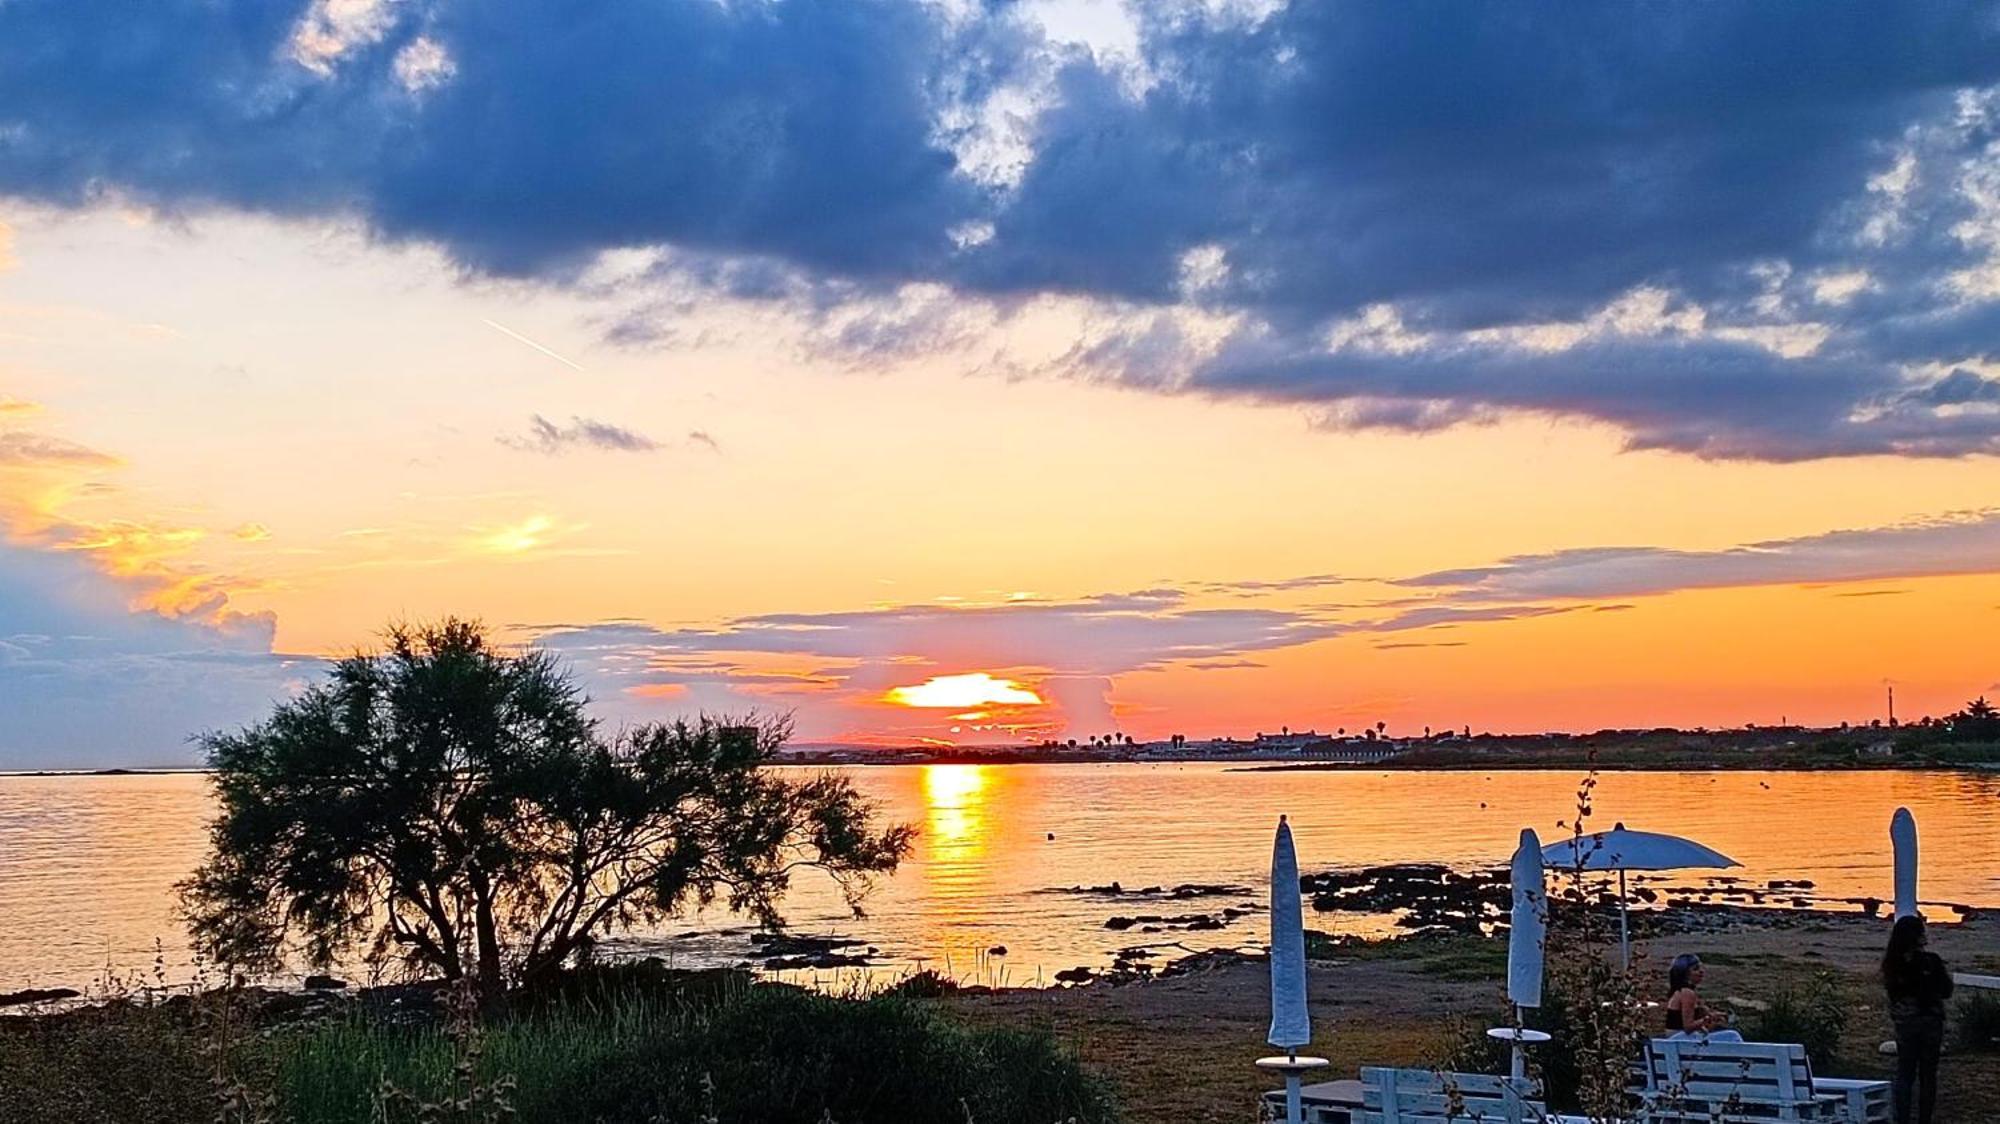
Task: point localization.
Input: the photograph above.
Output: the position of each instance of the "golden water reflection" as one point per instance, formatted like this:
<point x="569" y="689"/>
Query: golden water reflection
<point x="87" y="864"/>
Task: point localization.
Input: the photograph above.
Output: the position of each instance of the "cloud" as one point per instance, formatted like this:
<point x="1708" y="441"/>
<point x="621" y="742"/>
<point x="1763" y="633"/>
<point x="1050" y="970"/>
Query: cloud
<point x="1940" y="546"/>
<point x="27" y="449"/>
<point x="549" y="438"/>
<point x="85" y="682"/>
<point x="1720" y="229"/>
<point x="1100" y="635"/>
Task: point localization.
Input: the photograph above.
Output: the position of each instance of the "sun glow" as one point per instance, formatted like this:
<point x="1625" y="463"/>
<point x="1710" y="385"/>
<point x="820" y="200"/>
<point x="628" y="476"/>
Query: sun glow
<point x="959" y="692"/>
<point x="519" y="537"/>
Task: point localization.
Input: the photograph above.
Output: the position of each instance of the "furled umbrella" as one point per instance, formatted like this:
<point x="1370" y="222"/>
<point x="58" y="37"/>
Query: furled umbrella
<point x="1291" y="1027"/>
<point x="1622" y="849"/>
<point x="1528" y="926"/>
<point x="1903" y="837"/>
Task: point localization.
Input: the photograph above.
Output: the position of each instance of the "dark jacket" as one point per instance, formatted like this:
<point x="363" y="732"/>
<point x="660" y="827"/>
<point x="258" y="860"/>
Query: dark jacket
<point x="1918" y="992"/>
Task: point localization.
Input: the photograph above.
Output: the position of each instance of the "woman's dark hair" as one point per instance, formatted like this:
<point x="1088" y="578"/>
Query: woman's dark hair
<point x="1900" y="966"/>
<point x="1679" y="971"/>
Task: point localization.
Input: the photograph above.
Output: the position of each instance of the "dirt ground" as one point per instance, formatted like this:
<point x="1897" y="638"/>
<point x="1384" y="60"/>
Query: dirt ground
<point x="1180" y="1050"/>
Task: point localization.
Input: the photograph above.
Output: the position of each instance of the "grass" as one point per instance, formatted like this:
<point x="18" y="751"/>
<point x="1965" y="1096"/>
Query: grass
<point x="1975" y="1023"/>
<point x="767" y="1055"/>
<point x="1458" y="957"/>
<point x="125" y="1064"/>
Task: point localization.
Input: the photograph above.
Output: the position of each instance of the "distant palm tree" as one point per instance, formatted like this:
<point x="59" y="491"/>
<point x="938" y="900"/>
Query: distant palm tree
<point x="1979" y="710"/>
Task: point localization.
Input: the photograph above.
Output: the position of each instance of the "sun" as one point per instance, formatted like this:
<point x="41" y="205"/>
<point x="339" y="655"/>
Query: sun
<point x="962" y="691"/>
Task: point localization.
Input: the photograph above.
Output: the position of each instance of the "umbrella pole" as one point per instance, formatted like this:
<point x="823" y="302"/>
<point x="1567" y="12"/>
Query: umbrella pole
<point x="1519" y="1068"/>
<point x="1624" y="933"/>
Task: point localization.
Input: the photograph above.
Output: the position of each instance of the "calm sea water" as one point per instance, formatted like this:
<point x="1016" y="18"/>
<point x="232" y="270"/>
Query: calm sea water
<point x="87" y="863"/>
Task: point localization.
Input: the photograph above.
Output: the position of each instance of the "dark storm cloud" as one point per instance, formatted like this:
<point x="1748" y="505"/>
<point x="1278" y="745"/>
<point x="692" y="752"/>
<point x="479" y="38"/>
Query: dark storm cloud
<point x="1475" y="167"/>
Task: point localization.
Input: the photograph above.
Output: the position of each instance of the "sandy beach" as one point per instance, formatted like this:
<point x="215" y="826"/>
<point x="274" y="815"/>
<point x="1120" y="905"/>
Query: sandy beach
<point x="1181" y="1049"/>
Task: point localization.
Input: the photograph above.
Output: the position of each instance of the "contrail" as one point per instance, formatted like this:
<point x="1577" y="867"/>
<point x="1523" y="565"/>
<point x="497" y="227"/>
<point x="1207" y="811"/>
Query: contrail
<point x="531" y="343"/>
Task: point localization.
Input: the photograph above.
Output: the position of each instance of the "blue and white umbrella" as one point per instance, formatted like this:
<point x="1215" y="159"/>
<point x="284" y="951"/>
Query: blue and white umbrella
<point x="1622" y="849"/>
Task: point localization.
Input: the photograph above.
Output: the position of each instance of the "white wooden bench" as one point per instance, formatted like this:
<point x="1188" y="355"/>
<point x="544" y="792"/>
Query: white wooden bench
<point x="1422" y="1096"/>
<point x="1689" y="1080"/>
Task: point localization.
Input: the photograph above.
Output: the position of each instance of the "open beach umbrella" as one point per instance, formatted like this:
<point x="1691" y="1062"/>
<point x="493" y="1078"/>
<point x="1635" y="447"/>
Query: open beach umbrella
<point x="1528" y="925"/>
<point x="1622" y="849"/>
<point x="1290" y="1025"/>
<point x="1903" y="837"/>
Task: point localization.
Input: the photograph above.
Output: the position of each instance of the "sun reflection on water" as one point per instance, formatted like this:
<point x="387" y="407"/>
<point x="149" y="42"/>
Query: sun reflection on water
<point x="955" y="801"/>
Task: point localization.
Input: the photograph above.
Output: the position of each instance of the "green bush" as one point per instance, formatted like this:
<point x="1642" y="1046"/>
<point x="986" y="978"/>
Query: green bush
<point x="764" y="1055"/>
<point x="1465" y="1048"/>
<point x="1976" y="1022"/>
<point x="1813" y="1014"/>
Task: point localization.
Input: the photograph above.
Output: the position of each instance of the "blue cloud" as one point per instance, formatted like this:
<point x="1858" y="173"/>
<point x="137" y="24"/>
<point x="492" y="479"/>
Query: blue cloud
<point x="85" y="682"/>
<point x="1470" y="167"/>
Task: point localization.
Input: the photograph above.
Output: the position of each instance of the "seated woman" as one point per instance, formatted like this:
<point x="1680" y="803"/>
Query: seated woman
<point x="1687" y="1016"/>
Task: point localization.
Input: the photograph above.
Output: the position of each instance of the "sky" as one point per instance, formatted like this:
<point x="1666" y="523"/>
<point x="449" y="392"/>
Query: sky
<point x="990" y="372"/>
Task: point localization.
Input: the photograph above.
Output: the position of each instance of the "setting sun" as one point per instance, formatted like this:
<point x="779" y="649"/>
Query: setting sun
<point x="955" y="691"/>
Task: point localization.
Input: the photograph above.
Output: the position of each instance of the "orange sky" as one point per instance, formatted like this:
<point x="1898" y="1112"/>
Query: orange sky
<point x="289" y="434"/>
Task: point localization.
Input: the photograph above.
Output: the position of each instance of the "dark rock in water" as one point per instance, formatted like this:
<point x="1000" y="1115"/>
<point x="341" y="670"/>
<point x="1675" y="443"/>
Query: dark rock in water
<point x="1075" y="975"/>
<point x="1182" y="892"/>
<point x="37" y="995"/>
<point x="1191" y="922"/>
<point x="815" y="960"/>
<point x="323" y="983"/>
<point x="1871" y="906"/>
<point x="997" y="950"/>
<point x="788" y="944"/>
<point x="1423" y="894"/>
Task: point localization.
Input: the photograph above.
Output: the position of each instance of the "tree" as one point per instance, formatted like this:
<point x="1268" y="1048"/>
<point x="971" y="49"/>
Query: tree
<point x="453" y="806"/>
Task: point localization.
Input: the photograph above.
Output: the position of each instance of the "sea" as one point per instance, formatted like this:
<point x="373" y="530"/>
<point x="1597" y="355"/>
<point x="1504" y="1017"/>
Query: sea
<point x="997" y="888"/>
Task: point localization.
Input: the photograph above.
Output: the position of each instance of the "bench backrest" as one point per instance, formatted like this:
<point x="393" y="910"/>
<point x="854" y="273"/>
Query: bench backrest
<point x="1409" y="1096"/>
<point x="1752" y="1073"/>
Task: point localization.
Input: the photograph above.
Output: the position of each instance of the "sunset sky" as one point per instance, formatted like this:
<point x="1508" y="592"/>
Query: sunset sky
<point x="980" y="372"/>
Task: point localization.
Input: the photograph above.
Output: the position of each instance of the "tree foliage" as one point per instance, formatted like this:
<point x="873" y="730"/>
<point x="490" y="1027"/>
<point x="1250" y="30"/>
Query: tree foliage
<point x="451" y="806"/>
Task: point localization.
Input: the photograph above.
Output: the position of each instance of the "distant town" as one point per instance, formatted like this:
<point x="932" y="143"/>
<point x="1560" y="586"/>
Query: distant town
<point x="1967" y="738"/>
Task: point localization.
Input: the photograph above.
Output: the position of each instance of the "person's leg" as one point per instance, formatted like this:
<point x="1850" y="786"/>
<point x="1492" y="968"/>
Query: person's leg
<point x="1724" y="1036"/>
<point x="1927" y="1074"/>
<point x="1904" y="1090"/>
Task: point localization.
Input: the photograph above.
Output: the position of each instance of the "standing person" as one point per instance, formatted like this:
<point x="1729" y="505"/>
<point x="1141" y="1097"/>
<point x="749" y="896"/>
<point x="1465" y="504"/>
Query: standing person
<point x="1918" y="984"/>
<point x="1687" y="1015"/>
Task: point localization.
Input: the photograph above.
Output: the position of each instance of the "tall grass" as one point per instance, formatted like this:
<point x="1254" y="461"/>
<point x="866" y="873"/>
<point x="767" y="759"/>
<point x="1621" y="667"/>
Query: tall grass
<point x="762" y="1055"/>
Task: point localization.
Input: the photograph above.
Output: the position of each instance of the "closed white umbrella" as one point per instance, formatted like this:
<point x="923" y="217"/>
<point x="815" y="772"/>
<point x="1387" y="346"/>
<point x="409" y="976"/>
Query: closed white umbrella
<point x="1622" y="849"/>
<point x="1903" y="837"/>
<point x="1528" y="926"/>
<point x="1291" y="1028"/>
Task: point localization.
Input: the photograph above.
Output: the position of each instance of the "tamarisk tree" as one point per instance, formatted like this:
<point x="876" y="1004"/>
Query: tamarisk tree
<point x="449" y="805"/>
